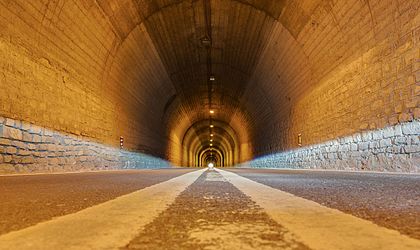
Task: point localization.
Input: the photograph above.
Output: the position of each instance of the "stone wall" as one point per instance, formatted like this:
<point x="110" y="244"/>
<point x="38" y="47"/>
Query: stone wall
<point x="394" y="149"/>
<point x="26" y="148"/>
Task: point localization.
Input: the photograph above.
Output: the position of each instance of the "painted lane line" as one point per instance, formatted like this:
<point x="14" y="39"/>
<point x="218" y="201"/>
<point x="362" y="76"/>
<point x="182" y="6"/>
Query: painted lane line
<point x="317" y="226"/>
<point x="109" y="225"/>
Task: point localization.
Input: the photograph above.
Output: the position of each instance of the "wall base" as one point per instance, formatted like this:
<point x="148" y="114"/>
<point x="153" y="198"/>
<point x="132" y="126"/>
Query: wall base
<point x="26" y="148"/>
<point x="392" y="149"/>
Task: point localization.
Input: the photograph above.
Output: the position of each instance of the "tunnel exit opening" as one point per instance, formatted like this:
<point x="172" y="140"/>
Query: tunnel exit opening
<point x="210" y="141"/>
<point x="213" y="156"/>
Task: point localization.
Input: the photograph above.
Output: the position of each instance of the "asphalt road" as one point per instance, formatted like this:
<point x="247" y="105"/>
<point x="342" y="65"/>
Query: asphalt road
<point x="389" y="200"/>
<point x="29" y="199"/>
<point x="188" y="209"/>
<point x="213" y="214"/>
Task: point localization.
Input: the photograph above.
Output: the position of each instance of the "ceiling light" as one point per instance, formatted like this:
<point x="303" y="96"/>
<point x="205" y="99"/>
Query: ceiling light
<point x="212" y="78"/>
<point x="211" y="144"/>
<point x="211" y="126"/>
<point x="211" y="111"/>
<point x="211" y="135"/>
<point x="211" y="139"/>
<point x="206" y="41"/>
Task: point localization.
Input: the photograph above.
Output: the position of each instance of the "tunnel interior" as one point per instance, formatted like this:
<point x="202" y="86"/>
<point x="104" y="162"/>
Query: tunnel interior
<point x="260" y="83"/>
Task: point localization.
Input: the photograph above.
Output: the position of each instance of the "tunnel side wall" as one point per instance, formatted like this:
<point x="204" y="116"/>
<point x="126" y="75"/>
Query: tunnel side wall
<point x="26" y="148"/>
<point x="334" y="80"/>
<point x="64" y="67"/>
<point x="395" y="149"/>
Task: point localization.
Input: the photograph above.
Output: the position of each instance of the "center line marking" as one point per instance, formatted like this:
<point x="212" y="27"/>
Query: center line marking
<point x="109" y="225"/>
<point x="317" y="226"/>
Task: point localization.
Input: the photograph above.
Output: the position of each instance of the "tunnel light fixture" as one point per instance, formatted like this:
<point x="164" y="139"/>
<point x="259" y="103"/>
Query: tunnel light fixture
<point x="206" y="41"/>
<point x="211" y="126"/>
<point x="121" y="142"/>
<point x="212" y="78"/>
<point x="211" y="135"/>
<point x="211" y="144"/>
<point x="211" y="111"/>
<point x="211" y="139"/>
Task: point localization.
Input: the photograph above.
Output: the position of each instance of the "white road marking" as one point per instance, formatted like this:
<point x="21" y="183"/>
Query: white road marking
<point x="317" y="226"/>
<point x="109" y="225"/>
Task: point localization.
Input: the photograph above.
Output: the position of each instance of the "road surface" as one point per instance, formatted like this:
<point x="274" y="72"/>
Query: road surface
<point x="202" y="209"/>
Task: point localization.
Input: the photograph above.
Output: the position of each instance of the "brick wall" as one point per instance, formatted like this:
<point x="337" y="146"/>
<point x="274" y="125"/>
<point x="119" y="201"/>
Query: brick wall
<point x="65" y="68"/>
<point x="26" y="148"/>
<point x="353" y="67"/>
<point x="322" y="69"/>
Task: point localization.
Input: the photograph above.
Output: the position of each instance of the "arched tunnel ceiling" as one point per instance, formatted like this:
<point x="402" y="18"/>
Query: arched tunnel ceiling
<point x="280" y="74"/>
<point x="238" y="31"/>
<point x="264" y="55"/>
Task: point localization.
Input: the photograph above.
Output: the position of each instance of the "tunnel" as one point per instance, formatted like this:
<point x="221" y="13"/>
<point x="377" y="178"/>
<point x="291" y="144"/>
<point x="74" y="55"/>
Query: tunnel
<point x="210" y="124"/>
<point x="107" y="84"/>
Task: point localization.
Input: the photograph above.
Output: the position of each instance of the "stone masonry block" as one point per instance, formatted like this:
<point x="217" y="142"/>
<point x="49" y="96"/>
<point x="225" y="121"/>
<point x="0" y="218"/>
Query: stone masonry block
<point x="10" y="122"/>
<point x="24" y="152"/>
<point x="36" y="130"/>
<point x="27" y="137"/>
<point x="36" y="138"/>
<point x="400" y="140"/>
<point x="12" y="133"/>
<point x="27" y="160"/>
<point x="412" y="128"/>
<point x="19" y="144"/>
<point x="409" y="149"/>
<point x="385" y="143"/>
<point x="388" y="132"/>
<point x="7" y="158"/>
<point x="26" y="126"/>
<point x="5" y="142"/>
<point x="11" y="150"/>
<point x="7" y="168"/>
<point x="415" y="139"/>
